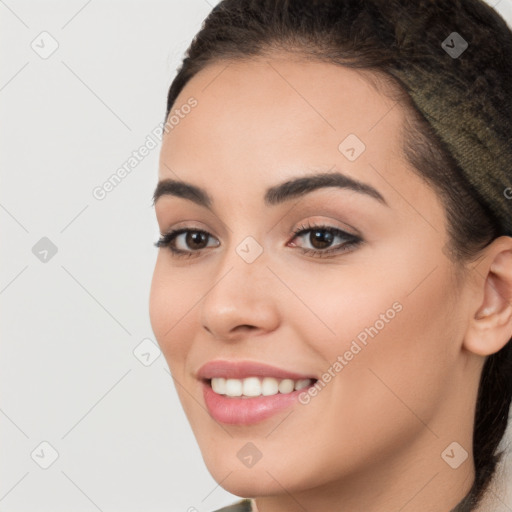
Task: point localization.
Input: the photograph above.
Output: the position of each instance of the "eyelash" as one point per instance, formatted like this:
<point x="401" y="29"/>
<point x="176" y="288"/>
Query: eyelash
<point x="352" y="241"/>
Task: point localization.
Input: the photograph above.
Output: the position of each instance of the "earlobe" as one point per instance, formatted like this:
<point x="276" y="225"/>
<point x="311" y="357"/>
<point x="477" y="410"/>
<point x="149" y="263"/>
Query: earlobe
<point x="490" y="328"/>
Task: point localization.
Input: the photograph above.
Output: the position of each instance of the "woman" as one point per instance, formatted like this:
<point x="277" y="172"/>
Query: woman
<point x="333" y="292"/>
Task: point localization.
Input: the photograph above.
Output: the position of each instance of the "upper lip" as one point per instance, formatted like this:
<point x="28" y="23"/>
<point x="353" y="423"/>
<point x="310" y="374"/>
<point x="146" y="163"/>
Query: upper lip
<point x="243" y="369"/>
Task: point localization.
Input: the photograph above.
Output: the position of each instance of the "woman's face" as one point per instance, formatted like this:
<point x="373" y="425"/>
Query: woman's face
<point x="375" y="315"/>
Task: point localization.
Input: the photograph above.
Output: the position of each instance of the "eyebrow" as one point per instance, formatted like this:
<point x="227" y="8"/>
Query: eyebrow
<point x="277" y="194"/>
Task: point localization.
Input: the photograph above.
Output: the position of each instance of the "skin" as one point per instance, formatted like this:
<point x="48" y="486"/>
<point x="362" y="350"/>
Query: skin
<point x="372" y="439"/>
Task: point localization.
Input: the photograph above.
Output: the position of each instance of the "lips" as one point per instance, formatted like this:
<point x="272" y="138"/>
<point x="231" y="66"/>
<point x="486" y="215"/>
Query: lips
<point x="229" y="401"/>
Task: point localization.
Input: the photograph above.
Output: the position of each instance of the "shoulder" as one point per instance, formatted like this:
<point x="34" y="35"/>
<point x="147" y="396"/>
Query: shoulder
<point x="239" y="506"/>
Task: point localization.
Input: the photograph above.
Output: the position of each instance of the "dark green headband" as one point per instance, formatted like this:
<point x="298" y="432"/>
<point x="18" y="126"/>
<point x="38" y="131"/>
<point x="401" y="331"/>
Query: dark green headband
<point x="468" y="99"/>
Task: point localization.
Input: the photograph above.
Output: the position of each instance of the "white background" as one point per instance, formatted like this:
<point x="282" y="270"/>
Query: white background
<point x="70" y="325"/>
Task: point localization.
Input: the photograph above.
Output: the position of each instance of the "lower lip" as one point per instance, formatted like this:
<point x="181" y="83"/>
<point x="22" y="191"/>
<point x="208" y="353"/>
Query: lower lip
<point x="246" y="411"/>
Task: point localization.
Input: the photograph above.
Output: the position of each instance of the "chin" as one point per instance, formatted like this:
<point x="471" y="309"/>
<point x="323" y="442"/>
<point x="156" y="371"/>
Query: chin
<point x="246" y="483"/>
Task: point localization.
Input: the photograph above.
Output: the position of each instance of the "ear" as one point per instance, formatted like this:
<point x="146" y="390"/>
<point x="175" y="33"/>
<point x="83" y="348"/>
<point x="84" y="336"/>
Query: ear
<point x="490" y="327"/>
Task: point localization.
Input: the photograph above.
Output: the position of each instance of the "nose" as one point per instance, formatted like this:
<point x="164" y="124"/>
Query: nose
<point x="242" y="300"/>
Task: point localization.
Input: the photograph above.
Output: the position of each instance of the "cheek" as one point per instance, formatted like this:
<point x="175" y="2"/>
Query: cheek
<point x="396" y="335"/>
<point x="399" y="345"/>
<point x="171" y="301"/>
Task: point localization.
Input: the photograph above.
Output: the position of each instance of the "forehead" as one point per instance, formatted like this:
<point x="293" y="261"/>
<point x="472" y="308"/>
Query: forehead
<point x="321" y="93"/>
<point x="269" y="115"/>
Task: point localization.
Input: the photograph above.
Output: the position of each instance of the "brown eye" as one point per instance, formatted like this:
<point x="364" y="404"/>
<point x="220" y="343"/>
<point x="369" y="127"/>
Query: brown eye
<point x="186" y="241"/>
<point x="322" y="238"/>
<point x="196" y="239"/>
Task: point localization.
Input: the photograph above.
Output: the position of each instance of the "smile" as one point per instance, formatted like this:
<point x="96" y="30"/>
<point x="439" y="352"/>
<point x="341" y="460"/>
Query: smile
<point x="246" y="392"/>
<point x="256" y="386"/>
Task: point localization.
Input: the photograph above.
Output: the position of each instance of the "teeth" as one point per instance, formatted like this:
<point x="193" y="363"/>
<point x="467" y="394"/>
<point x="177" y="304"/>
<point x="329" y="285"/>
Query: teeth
<point x="301" y="384"/>
<point x="251" y="386"/>
<point x="233" y="387"/>
<point x="269" y="386"/>
<point x="219" y="386"/>
<point x="254" y="386"/>
<point x="286" y="386"/>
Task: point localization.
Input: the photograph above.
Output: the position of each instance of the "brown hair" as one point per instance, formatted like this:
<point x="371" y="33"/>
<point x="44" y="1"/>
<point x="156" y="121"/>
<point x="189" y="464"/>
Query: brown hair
<point x="387" y="38"/>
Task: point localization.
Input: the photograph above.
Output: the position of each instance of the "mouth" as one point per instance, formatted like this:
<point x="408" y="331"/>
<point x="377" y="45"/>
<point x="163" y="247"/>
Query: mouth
<point x="244" y="393"/>
<point x="257" y="386"/>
